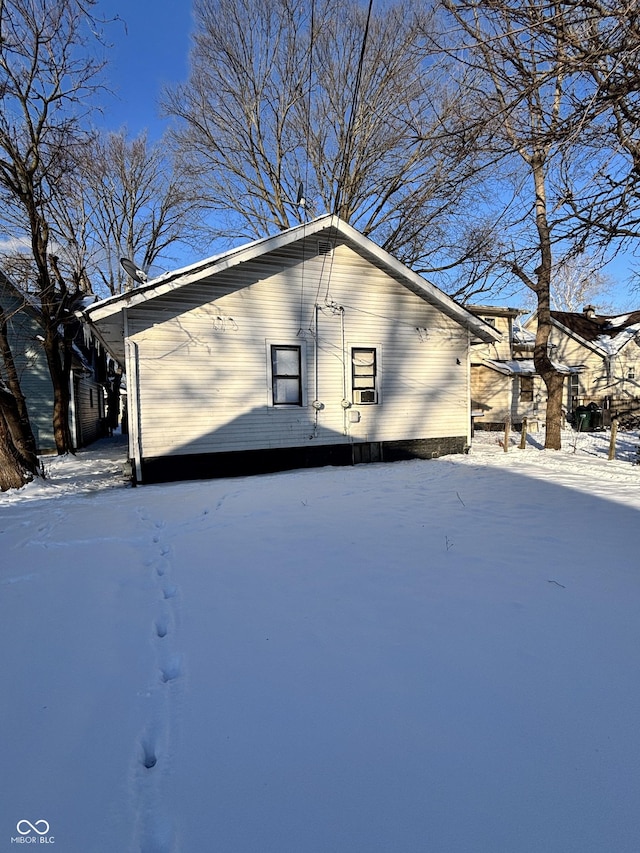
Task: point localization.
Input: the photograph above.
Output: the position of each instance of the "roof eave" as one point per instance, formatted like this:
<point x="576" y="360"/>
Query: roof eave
<point x="219" y="263"/>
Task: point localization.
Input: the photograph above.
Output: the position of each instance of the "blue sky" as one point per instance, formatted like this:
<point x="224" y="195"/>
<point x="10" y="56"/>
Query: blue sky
<point x="149" y="47"/>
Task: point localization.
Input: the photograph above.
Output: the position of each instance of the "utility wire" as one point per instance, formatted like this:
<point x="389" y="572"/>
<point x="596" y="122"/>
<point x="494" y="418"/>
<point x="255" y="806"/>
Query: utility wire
<point x="346" y="154"/>
<point x="306" y="167"/>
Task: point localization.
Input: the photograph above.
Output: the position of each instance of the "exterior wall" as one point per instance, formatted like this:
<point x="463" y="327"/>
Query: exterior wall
<point x="491" y="395"/>
<point x="495" y="396"/>
<point x="35" y="381"/>
<point x="601" y="378"/>
<point x="87" y="410"/>
<point x="500" y="350"/>
<point x="498" y="397"/>
<point x="31" y="363"/>
<point x="200" y="359"/>
<point x="625" y="376"/>
<point x="592" y="379"/>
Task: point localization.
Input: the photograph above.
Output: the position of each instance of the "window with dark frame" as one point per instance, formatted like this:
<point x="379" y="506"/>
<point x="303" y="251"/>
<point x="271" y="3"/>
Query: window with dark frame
<point x="364" y="375"/>
<point x="574" y="389"/>
<point x="286" y="375"/>
<point x="526" y="389"/>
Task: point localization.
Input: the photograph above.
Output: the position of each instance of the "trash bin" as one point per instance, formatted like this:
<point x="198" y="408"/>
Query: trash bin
<point x="583" y="419"/>
<point x="596" y="417"/>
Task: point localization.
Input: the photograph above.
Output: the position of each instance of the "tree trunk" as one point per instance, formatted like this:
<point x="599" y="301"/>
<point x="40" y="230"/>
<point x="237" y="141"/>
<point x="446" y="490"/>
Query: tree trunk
<point x="12" y="474"/>
<point x="554" y="381"/>
<point x="16" y="469"/>
<point x="541" y="358"/>
<point x="553" y="433"/>
<point x="25" y="457"/>
<point x="61" y="397"/>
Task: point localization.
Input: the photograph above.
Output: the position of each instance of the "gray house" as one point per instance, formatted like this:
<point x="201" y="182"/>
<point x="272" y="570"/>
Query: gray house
<point x="88" y="367"/>
<point x="313" y="346"/>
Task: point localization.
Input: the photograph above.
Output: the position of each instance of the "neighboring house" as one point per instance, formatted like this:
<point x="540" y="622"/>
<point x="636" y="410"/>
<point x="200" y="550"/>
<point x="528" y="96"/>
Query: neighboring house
<point x="604" y="355"/>
<point x="504" y="384"/>
<point x="87" y="395"/>
<point x="310" y="347"/>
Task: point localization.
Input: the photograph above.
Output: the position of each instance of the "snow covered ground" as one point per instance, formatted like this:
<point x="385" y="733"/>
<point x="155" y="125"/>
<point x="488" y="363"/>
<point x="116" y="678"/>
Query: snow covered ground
<point x="426" y="656"/>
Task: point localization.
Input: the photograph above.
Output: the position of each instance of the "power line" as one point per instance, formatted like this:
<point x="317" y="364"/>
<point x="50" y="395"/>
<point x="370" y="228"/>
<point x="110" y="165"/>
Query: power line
<point x="346" y="157"/>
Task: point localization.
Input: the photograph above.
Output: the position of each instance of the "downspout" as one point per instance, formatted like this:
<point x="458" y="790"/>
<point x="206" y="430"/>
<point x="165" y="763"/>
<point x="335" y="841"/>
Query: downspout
<point x="317" y="403"/>
<point x="345" y="402"/>
<point x="133" y="399"/>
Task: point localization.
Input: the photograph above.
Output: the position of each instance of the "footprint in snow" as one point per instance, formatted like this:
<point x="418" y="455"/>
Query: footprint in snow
<point x="149" y="759"/>
<point x="162" y="628"/>
<point x="172" y="670"/>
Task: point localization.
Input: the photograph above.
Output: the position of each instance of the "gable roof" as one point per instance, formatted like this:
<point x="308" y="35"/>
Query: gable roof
<point x="607" y="334"/>
<point x="105" y="314"/>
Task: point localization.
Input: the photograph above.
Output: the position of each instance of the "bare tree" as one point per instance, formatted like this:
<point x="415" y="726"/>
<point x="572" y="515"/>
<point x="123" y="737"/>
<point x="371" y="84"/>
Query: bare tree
<point x="601" y="45"/>
<point x="527" y="125"/>
<point x="579" y="282"/>
<point x="125" y="200"/>
<point x="47" y="77"/>
<point x="575" y="283"/>
<point x="289" y="99"/>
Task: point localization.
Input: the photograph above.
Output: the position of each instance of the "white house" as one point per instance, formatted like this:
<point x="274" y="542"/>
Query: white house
<point x="313" y="346"/>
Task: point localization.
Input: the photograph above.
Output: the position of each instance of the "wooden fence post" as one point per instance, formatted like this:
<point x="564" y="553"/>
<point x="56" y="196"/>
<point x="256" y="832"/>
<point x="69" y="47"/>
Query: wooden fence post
<point x="507" y="428"/>
<point x="523" y="434"/>
<point x="612" y="442"/>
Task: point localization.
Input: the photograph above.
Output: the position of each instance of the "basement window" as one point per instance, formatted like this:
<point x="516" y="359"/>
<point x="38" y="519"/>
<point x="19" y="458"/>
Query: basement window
<point x="286" y="375"/>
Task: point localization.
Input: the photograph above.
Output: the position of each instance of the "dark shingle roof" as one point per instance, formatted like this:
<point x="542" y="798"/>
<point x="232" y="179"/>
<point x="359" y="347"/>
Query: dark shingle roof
<point x="594" y="328"/>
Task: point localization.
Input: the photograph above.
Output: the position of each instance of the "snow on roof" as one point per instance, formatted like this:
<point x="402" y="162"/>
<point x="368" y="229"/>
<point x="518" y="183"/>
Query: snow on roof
<point x="523" y="366"/>
<point x="608" y="333"/>
<point x="522" y="336"/>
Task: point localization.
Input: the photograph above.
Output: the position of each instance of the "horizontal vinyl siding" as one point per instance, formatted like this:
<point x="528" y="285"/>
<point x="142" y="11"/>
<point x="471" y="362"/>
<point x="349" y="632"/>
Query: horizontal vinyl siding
<point x="491" y="393"/>
<point x="203" y="359"/>
<point x="89" y="410"/>
<point x="33" y="372"/>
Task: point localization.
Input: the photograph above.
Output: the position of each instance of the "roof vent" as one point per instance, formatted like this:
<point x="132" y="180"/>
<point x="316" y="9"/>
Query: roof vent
<point x="325" y="247"/>
<point x="589" y="311"/>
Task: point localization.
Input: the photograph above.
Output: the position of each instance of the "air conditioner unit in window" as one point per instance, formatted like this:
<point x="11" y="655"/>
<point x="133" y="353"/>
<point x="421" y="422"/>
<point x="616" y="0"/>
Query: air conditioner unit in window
<point x="364" y="396"/>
